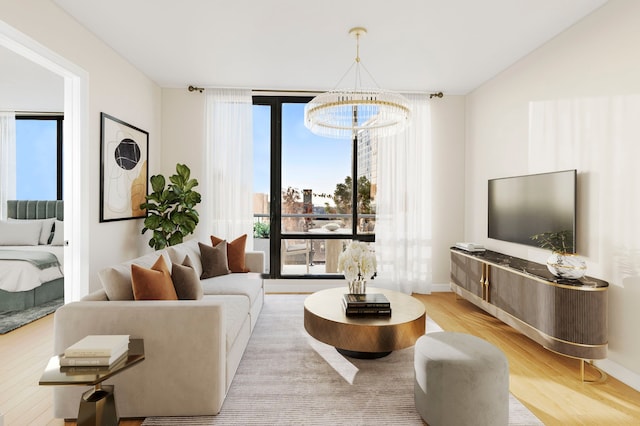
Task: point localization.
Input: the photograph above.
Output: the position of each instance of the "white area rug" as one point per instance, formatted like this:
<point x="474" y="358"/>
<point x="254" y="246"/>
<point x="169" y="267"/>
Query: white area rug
<point x="288" y="378"/>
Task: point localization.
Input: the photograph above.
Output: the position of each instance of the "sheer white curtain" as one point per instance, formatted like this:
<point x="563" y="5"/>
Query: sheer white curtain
<point x="7" y="160"/>
<point x="403" y="204"/>
<point x="228" y="165"/>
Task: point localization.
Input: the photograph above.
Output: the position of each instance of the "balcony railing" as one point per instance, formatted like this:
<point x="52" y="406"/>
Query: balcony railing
<point x="310" y="243"/>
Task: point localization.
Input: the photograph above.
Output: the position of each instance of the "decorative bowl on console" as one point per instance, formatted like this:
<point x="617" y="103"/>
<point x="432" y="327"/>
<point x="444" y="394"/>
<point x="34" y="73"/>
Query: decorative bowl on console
<point x="562" y="263"/>
<point x="567" y="266"/>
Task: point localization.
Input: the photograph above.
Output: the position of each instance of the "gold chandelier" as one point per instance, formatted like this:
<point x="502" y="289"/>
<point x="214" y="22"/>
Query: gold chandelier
<point x="344" y="113"/>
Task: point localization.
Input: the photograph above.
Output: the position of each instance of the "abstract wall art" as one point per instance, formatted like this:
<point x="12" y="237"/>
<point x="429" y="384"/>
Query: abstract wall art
<point x="124" y="151"/>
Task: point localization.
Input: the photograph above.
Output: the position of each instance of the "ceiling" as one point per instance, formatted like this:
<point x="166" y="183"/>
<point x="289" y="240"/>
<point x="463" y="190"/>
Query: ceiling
<point x="411" y="45"/>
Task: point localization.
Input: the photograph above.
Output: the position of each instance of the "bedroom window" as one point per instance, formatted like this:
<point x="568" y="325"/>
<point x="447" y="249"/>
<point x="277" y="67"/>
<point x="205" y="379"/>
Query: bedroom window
<point x="39" y="157"/>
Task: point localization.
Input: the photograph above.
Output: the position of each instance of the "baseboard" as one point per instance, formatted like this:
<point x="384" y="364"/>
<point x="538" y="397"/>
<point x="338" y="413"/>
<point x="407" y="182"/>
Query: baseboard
<point x="621" y="373"/>
<point x="310" y="286"/>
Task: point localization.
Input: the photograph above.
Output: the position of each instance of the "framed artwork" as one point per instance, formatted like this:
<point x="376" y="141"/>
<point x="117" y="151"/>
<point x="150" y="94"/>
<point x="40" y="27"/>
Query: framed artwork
<point x="124" y="153"/>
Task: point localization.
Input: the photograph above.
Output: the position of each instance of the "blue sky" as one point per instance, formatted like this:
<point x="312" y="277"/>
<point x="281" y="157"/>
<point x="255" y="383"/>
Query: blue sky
<point x="36" y="154"/>
<point x="309" y="161"/>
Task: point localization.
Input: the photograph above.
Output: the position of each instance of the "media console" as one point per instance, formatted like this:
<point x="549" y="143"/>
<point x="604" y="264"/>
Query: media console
<point x="565" y="316"/>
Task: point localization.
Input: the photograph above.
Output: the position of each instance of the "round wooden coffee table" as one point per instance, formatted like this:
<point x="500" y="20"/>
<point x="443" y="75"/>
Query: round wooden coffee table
<point x="364" y="337"/>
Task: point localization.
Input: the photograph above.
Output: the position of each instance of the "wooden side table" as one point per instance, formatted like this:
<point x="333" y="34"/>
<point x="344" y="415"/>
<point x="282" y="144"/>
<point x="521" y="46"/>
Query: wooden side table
<point x="97" y="405"/>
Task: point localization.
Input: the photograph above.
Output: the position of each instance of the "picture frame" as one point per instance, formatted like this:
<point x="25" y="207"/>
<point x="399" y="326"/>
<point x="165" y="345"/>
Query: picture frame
<point x="124" y="169"/>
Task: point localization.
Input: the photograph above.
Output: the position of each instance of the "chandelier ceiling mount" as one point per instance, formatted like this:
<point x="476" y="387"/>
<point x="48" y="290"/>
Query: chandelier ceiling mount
<point x="345" y="113"/>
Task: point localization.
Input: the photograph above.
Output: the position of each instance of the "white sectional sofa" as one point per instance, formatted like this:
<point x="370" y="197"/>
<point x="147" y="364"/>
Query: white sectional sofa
<point x="192" y="347"/>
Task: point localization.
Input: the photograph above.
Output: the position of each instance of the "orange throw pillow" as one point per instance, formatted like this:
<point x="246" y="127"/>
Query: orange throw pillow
<point x="154" y="283"/>
<point x="235" y="252"/>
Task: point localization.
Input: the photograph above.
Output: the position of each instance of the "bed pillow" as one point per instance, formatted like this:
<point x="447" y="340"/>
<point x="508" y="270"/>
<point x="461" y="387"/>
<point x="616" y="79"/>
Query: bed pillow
<point x="58" y="236"/>
<point x="235" y="252"/>
<point x="47" y="227"/>
<point x="17" y="233"/>
<point x="214" y="260"/>
<point x="185" y="280"/>
<point x="154" y="283"/>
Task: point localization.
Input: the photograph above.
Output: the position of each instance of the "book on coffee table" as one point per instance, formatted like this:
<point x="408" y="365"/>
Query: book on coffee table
<point x="368" y="312"/>
<point x="367" y="300"/>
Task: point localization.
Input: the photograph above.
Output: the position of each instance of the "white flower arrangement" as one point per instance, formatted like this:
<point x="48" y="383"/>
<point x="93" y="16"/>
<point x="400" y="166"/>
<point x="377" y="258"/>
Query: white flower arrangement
<point x="357" y="262"/>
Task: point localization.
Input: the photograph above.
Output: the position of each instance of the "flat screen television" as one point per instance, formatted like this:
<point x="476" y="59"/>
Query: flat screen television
<point x="523" y="206"/>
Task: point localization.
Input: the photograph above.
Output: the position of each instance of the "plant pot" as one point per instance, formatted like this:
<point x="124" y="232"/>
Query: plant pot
<point x="567" y="266"/>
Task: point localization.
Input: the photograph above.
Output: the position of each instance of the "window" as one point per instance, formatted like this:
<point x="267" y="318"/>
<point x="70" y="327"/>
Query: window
<point x="39" y="157"/>
<point x="307" y="211"/>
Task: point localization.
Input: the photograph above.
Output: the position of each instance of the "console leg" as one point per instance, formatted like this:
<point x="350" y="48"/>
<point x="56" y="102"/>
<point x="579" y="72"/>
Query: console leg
<point x="603" y="375"/>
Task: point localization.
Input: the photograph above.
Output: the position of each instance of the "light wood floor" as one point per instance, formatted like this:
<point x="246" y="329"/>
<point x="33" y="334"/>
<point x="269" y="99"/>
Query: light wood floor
<point x="547" y="383"/>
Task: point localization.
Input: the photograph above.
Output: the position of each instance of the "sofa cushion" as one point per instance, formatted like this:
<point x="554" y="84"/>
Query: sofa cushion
<point x="249" y="285"/>
<point x="190" y="248"/>
<point x="236" y="313"/>
<point x="214" y="260"/>
<point x="235" y="252"/>
<point x="116" y="280"/>
<point x="153" y="283"/>
<point x="186" y="281"/>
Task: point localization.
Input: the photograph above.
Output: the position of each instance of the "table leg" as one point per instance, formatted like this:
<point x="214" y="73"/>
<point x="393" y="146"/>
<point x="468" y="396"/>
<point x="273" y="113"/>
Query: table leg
<point x="98" y="407"/>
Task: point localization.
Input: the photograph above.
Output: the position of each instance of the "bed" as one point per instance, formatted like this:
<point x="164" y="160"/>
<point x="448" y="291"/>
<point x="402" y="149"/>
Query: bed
<point x="31" y="254"/>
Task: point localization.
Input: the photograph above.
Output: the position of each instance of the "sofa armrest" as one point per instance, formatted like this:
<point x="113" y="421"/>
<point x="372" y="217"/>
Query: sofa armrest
<point x="184" y="370"/>
<point x="254" y="261"/>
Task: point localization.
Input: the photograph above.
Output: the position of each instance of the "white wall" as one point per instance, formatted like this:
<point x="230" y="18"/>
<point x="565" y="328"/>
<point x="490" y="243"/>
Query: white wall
<point x="183" y="133"/>
<point x="115" y="87"/>
<point x="573" y="103"/>
<point x="447" y="121"/>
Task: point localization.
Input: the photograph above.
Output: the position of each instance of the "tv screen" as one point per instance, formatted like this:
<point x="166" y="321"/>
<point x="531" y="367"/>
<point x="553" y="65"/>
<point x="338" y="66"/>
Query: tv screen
<point x="523" y="206"/>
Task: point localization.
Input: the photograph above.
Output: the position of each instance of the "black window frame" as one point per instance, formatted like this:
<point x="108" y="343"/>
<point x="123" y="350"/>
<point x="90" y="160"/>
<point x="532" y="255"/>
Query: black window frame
<point x="58" y="118"/>
<point x="275" y="197"/>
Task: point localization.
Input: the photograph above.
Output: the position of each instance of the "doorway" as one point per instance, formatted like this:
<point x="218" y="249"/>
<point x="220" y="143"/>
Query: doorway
<point x="75" y="130"/>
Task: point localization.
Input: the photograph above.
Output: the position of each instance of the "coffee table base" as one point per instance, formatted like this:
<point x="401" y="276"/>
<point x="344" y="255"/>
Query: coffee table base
<point x="362" y="355"/>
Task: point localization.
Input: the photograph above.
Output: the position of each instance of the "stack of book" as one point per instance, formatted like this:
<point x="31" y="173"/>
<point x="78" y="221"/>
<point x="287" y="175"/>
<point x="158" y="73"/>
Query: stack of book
<point x="98" y="351"/>
<point x="369" y="304"/>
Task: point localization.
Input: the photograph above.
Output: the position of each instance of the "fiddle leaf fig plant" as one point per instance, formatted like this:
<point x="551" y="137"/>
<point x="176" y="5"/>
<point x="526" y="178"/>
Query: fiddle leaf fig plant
<point x="170" y="208"/>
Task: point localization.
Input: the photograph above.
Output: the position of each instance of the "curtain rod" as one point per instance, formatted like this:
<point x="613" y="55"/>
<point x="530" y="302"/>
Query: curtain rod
<point x="43" y="113"/>
<point x="201" y="89"/>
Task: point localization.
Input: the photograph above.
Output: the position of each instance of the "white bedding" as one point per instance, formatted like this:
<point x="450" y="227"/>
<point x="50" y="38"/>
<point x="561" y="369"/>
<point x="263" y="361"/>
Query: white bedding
<point x="18" y="275"/>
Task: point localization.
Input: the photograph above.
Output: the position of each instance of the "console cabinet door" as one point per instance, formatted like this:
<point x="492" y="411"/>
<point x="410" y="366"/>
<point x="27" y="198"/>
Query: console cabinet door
<point x="466" y="272"/>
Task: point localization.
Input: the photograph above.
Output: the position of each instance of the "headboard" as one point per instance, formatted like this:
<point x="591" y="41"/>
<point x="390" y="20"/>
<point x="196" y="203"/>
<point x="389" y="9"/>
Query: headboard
<point x="35" y="209"/>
